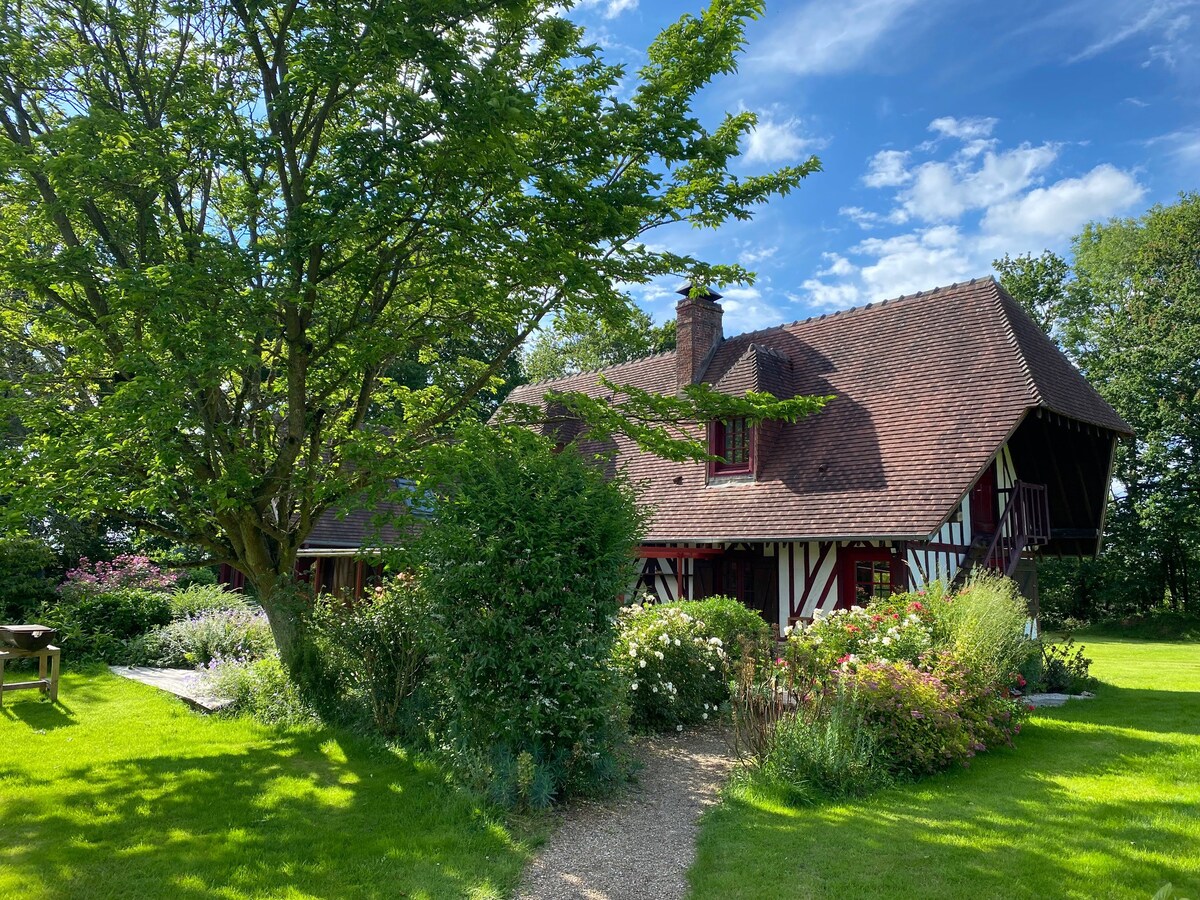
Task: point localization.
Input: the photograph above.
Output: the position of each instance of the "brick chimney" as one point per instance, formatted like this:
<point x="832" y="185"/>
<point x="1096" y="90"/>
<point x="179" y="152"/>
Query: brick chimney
<point x="697" y="332"/>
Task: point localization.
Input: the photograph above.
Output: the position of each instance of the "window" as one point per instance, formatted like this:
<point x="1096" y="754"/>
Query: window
<point x="867" y="573"/>
<point x="872" y="579"/>
<point x="733" y="441"/>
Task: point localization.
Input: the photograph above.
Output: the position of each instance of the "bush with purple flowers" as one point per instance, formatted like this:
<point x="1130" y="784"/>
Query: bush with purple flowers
<point x="125" y="572"/>
<point x="196" y="640"/>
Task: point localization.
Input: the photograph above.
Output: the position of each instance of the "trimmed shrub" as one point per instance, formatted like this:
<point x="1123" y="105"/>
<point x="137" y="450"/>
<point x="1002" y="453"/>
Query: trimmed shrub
<point x="728" y="619"/>
<point x="198" y="598"/>
<point x="377" y="648"/>
<point x="207" y="635"/>
<point x="522" y="564"/>
<point x="674" y="665"/>
<point x="101" y="625"/>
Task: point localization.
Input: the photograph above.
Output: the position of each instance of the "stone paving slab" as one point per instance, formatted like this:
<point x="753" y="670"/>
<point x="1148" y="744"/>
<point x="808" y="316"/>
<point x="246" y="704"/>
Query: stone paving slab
<point x="183" y="683"/>
<point x="1055" y="699"/>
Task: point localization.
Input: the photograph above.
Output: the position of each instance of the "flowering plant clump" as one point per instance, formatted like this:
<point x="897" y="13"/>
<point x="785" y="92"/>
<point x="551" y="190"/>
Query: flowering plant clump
<point x="209" y="634"/>
<point x="675" y="668"/>
<point x="900" y="628"/>
<point x="124" y="572"/>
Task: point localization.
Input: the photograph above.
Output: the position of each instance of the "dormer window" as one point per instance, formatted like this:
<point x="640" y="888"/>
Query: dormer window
<point x="733" y="441"/>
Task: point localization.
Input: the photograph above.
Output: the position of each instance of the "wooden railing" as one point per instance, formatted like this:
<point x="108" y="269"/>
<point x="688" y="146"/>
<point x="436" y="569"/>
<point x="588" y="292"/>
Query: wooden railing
<point x="1025" y="523"/>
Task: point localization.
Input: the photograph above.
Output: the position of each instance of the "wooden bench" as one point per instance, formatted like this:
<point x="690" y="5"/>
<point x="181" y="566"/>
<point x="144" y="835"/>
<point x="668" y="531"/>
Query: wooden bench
<point x="47" y="657"/>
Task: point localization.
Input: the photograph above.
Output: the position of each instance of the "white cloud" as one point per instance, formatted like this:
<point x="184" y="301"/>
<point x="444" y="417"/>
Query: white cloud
<point x="754" y="254"/>
<point x="888" y="168"/>
<point x="746" y="310"/>
<point x="1051" y="214"/>
<point x="971" y="209"/>
<point x="826" y="36"/>
<point x="610" y="8"/>
<point x="967" y="129"/>
<point x="945" y="190"/>
<point x="1162" y="19"/>
<point x="777" y="141"/>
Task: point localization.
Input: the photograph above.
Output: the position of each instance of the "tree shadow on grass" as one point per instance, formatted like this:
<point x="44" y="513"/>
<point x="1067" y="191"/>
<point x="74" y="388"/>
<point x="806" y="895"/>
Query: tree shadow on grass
<point x="310" y="813"/>
<point x="1070" y="812"/>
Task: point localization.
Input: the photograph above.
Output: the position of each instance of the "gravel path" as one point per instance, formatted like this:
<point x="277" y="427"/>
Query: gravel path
<point x="640" y="845"/>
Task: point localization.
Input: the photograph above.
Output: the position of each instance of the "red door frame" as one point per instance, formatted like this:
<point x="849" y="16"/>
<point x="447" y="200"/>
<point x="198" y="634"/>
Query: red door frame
<point x="849" y="556"/>
<point x="984" y="511"/>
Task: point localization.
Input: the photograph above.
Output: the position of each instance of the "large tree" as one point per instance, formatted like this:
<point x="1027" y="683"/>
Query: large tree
<point x="577" y="341"/>
<point x="1127" y="310"/>
<point x="227" y="225"/>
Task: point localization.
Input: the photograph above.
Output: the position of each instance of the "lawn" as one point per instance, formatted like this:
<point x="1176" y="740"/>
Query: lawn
<point x="1099" y="799"/>
<point x="123" y="792"/>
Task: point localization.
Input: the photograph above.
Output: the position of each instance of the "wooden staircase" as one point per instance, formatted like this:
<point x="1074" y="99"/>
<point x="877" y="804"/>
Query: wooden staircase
<point x="1025" y="524"/>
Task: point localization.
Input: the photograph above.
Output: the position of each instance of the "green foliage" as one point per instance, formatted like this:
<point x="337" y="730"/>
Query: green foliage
<point x="1129" y="317"/>
<point x="927" y="675"/>
<point x="986" y="627"/>
<point x="674" y="666"/>
<point x="204" y="636"/>
<point x="101" y="626"/>
<point x="378" y="647"/>
<point x="728" y="619"/>
<point x="830" y="753"/>
<point x="27" y="576"/>
<point x="260" y="688"/>
<point x="581" y="342"/>
<point x="522" y="564"/>
<point x="265" y="245"/>
<point x="1064" y="668"/>
<point x="198" y="597"/>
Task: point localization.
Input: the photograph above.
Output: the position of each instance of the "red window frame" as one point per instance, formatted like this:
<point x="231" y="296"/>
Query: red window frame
<point x="731" y="438"/>
<point x="879" y="557"/>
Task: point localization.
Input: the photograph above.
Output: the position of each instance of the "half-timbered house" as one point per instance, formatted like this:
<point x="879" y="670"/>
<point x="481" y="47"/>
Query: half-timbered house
<point x="960" y="437"/>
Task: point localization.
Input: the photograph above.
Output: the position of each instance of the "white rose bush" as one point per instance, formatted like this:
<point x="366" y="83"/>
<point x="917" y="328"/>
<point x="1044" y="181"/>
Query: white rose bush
<point x="674" y="666"/>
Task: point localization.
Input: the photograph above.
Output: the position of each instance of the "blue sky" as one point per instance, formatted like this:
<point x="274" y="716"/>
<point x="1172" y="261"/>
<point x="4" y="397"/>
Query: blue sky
<point x="951" y="132"/>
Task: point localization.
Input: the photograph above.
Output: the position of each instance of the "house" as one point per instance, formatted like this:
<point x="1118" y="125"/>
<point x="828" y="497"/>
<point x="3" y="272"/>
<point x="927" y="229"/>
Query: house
<point x="960" y="437"/>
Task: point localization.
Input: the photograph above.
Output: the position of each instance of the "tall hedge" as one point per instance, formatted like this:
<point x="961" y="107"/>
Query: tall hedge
<point x="524" y="558"/>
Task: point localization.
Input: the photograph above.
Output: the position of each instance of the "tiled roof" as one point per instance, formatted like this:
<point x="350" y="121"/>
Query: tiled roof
<point x="928" y="388"/>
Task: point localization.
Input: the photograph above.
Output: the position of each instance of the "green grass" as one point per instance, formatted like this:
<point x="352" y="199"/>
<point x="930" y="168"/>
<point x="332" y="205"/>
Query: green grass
<point x="1099" y="798"/>
<point x="121" y="791"/>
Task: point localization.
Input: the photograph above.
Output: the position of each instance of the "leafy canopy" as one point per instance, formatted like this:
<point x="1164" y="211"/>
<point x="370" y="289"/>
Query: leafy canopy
<point x="266" y="252"/>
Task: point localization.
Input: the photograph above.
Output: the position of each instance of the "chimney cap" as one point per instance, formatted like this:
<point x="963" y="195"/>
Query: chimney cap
<point x="709" y="294"/>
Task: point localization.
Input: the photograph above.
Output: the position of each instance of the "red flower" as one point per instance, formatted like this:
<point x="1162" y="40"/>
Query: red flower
<point x="843" y="659"/>
<point x="1020" y="681"/>
<point x="1030" y="707"/>
<point x="916" y="606"/>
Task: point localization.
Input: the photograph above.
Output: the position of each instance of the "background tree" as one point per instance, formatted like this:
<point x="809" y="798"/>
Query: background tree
<point x="226" y="222"/>
<point x="578" y="342"/>
<point x="1130" y="318"/>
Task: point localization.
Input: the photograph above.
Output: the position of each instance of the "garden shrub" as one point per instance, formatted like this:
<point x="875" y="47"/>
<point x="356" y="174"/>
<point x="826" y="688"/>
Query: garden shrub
<point x="197" y="598"/>
<point x="986" y="626"/>
<point x="125" y="572"/>
<point x="26" y="569"/>
<point x="1064" y="668"/>
<point x="728" y="619"/>
<point x="377" y="647"/>
<point x="101" y="626"/>
<point x="196" y="640"/>
<point x="522" y="563"/>
<point x="260" y="688"/>
<point x="830" y="751"/>
<point x="899" y="628"/>
<point x="674" y="665"/>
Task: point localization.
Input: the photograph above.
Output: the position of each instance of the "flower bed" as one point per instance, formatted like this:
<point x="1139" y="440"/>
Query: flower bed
<point x="906" y="686"/>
